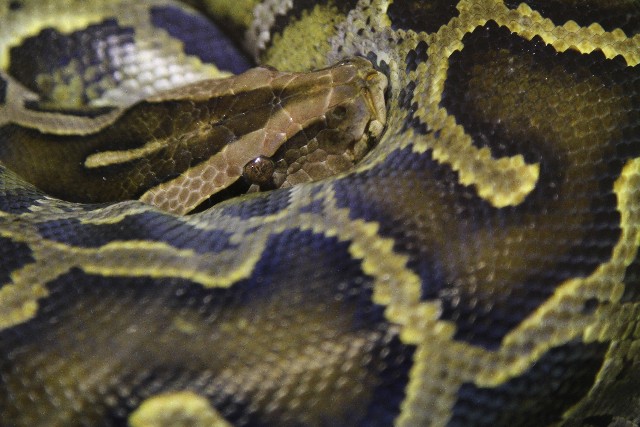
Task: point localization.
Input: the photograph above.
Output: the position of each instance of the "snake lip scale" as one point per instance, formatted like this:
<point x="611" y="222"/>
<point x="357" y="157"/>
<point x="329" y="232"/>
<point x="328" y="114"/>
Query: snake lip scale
<point x="410" y="213"/>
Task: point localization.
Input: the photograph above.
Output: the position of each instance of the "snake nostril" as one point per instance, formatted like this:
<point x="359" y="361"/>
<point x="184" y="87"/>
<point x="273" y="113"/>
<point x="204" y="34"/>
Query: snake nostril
<point x="339" y="113"/>
<point x="15" y="5"/>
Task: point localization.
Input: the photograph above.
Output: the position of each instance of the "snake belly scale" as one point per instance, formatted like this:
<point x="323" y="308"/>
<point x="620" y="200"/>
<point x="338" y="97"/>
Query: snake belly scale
<point x="472" y="260"/>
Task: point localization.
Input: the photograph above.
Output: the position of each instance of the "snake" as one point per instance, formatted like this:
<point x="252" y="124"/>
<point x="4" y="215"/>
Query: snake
<point x="330" y="213"/>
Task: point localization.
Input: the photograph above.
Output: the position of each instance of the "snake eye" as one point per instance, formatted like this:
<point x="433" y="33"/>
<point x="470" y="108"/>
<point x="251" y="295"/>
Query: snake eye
<point x="259" y="171"/>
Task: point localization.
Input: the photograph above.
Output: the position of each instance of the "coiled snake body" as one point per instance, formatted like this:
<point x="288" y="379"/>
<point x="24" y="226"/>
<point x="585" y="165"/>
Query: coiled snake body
<point x="473" y="263"/>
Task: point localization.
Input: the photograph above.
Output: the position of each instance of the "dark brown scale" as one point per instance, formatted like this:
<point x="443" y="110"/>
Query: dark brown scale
<point x="610" y="14"/>
<point x="420" y="15"/>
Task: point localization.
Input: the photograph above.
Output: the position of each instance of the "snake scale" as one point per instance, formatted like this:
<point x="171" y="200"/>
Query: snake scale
<point x="442" y="229"/>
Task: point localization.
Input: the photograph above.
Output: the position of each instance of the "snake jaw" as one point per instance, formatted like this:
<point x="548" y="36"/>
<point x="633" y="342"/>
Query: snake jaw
<point x="374" y="96"/>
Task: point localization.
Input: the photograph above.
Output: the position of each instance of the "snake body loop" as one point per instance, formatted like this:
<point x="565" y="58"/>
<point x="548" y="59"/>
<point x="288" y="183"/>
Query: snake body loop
<point x="440" y="227"/>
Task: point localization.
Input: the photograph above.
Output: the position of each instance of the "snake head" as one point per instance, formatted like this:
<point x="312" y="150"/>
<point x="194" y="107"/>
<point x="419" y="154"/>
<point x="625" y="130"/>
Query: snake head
<point x="333" y="142"/>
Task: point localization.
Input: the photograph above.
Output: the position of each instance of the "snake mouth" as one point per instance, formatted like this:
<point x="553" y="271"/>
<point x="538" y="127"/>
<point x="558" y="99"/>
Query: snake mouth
<point x="375" y="100"/>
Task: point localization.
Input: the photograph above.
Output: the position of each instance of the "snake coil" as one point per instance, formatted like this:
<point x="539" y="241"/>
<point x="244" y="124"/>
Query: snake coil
<point x="450" y="236"/>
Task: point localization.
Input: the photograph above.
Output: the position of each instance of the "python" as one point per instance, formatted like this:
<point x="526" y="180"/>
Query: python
<point x="451" y="241"/>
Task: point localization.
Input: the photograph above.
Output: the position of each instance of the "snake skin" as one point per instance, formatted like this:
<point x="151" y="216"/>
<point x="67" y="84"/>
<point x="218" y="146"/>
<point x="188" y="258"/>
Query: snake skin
<point x="479" y="267"/>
